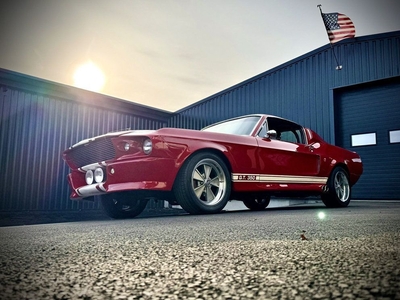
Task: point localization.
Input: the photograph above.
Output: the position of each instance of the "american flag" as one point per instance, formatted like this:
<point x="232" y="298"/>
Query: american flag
<point x="338" y="27"/>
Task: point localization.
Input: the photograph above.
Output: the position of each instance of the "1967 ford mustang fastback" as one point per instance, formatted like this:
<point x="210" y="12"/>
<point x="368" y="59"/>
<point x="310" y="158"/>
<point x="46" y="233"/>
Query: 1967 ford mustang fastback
<point x="248" y="158"/>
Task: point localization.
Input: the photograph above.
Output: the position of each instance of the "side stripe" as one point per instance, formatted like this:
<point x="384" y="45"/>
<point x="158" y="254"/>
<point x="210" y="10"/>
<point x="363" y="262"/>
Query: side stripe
<point x="239" y="177"/>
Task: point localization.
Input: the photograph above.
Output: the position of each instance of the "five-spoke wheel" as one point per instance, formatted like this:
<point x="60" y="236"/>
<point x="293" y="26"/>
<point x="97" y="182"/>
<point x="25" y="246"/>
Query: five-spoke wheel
<point x="203" y="184"/>
<point x="339" y="190"/>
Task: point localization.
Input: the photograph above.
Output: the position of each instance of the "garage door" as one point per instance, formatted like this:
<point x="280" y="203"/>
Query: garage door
<point x="367" y="120"/>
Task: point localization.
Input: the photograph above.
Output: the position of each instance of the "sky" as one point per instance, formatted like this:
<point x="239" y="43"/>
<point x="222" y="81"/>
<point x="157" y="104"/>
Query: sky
<point x="168" y="54"/>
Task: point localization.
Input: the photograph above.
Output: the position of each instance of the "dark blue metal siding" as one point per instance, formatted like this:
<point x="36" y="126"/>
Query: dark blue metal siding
<point x="292" y="92"/>
<point x="35" y="128"/>
<point x="300" y="90"/>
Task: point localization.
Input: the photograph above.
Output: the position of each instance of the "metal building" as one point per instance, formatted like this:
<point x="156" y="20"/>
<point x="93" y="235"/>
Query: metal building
<point x="357" y="107"/>
<point x="38" y="121"/>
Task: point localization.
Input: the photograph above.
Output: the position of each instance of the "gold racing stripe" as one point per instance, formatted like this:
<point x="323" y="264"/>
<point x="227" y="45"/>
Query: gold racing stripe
<point x="239" y="177"/>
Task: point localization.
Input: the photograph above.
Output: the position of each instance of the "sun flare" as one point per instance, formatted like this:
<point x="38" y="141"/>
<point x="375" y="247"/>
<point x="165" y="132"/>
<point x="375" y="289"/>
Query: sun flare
<point x="89" y="77"/>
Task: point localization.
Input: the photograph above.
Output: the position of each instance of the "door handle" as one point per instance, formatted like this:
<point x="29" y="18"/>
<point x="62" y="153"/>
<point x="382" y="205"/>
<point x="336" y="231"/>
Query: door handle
<point x="313" y="146"/>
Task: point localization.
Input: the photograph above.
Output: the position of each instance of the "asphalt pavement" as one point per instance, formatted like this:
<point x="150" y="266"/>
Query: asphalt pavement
<point x="299" y="252"/>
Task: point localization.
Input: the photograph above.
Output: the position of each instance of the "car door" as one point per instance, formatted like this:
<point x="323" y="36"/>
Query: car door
<point x="286" y="153"/>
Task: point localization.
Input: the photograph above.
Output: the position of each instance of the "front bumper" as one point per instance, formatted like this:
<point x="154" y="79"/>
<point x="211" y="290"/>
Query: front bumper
<point x="157" y="174"/>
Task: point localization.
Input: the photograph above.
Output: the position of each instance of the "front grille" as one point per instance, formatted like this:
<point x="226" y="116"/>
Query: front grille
<point x="93" y="152"/>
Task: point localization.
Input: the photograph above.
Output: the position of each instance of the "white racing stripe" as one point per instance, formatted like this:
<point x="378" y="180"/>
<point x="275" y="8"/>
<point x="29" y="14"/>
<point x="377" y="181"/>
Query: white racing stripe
<point x="239" y="177"/>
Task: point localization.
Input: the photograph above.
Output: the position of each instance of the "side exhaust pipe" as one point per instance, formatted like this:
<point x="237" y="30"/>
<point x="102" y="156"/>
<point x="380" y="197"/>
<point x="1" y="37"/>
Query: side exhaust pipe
<point x="325" y="189"/>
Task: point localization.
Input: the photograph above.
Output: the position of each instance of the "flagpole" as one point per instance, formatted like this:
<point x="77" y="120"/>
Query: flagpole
<point x="338" y="66"/>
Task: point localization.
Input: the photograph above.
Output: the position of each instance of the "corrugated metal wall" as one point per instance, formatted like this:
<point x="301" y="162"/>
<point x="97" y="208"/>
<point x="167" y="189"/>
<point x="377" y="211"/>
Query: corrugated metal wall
<point x="35" y="128"/>
<point x="301" y="89"/>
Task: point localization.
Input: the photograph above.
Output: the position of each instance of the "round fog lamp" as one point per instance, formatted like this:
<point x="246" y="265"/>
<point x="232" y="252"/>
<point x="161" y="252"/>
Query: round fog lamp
<point x="98" y="175"/>
<point x="147" y="146"/>
<point x="89" y="177"/>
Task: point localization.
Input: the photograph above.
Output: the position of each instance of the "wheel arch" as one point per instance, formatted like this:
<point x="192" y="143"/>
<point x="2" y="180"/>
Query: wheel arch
<point x="343" y="166"/>
<point x="214" y="151"/>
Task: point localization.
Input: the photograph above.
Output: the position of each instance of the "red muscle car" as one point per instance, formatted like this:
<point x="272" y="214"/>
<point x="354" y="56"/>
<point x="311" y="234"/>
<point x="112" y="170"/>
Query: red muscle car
<point x="247" y="158"/>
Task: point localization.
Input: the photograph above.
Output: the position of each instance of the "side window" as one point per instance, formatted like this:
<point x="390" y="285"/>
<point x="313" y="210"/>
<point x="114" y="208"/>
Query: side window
<point x="289" y="136"/>
<point x="287" y="131"/>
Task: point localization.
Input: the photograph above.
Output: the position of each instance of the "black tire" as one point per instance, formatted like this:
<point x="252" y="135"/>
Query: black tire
<point x="121" y="206"/>
<point x="257" y="204"/>
<point x="203" y="184"/>
<point x="339" y="189"/>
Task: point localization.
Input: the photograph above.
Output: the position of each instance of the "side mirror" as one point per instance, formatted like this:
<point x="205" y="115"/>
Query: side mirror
<point x="271" y="134"/>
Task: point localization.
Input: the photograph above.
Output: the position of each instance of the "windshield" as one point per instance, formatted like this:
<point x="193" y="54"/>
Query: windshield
<point x="241" y="126"/>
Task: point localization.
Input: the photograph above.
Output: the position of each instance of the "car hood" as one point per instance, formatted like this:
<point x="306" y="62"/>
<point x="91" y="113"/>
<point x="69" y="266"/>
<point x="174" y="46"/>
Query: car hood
<point x="111" y="134"/>
<point x="172" y="132"/>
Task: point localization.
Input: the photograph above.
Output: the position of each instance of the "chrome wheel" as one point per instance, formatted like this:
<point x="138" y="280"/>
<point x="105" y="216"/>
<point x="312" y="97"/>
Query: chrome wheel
<point x="209" y="182"/>
<point x="203" y="184"/>
<point x="342" y="187"/>
<point x="338" y="192"/>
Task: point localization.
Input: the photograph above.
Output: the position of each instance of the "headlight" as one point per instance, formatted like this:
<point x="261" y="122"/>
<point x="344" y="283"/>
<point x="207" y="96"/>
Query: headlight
<point x="89" y="177"/>
<point x="147" y="146"/>
<point x="98" y="175"/>
<point x="126" y="146"/>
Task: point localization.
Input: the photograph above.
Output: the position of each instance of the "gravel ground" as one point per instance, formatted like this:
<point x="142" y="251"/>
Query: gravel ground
<point x="352" y="253"/>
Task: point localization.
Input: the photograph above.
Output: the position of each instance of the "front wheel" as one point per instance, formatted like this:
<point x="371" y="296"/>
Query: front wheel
<point x="339" y="190"/>
<point x="257" y="204"/>
<point x="121" y="206"/>
<point x="203" y="184"/>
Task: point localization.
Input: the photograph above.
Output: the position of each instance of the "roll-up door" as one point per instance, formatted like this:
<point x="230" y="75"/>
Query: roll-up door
<point x="367" y="120"/>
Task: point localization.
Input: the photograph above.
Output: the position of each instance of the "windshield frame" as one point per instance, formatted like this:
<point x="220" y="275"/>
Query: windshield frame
<point x="244" y="125"/>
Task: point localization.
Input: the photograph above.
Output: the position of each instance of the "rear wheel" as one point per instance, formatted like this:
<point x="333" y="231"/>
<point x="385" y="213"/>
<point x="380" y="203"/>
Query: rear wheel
<point x="121" y="206"/>
<point x="203" y="184"/>
<point x="257" y="204"/>
<point x="339" y="190"/>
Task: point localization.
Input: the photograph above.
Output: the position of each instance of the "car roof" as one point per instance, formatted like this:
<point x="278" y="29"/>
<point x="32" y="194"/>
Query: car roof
<point x="252" y="115"/>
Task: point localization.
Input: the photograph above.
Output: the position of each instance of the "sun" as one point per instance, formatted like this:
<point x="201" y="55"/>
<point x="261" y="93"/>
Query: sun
<point x="89" y="77"/>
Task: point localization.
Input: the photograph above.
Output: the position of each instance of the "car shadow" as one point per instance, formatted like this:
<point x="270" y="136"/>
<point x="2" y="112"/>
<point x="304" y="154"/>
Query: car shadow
<point x="40" y="217"/>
